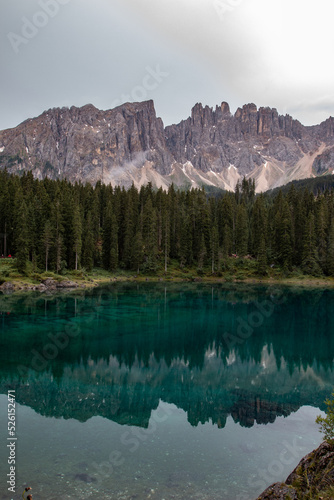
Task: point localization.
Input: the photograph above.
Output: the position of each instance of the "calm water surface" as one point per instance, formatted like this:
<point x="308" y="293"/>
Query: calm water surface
<point x="163" y="392"/>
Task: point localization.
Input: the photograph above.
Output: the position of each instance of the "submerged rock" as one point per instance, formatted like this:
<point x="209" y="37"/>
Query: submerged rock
<point x="312" y="478"/>
<point x="85" y="478"/>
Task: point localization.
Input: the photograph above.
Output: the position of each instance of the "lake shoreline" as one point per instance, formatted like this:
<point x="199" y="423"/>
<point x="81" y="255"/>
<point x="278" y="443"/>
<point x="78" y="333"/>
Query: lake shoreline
<point x="89" y="282"/>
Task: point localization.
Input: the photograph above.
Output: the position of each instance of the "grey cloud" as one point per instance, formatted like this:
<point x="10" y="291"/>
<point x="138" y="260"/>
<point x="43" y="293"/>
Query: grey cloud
<point x="99" y="51"/>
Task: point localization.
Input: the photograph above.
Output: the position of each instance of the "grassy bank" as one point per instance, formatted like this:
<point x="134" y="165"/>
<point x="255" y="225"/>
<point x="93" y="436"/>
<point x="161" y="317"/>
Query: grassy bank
<point x="232" y="270"/>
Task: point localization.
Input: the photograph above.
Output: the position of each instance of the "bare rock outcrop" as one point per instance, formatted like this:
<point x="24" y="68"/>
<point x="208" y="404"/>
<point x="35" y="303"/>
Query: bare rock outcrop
<point x="314" y="475"/>
<point x="7" y="287"/>
<point x="129" y="144"/>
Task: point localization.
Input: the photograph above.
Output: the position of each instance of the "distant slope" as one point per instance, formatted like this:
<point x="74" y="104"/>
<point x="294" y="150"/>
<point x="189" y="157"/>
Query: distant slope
<point x="314" y="185"/>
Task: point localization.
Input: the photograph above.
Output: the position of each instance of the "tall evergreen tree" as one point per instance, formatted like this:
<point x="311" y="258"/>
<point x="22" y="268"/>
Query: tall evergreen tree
<point x="262" y="256"/>
<point x="47" y="241"/>
<point x="77" y="235"/>
<point x="88" y="243"/>
<point x="310" y="263"/>
<point x="114" y="244"/>
<point x="330" y="250"/>
<point x="138" y="251"/>
<point x="241" y="230"/>
<point x="202" y="253"/>
<point x="214" y="248"/>
<point x="22" y="236"/>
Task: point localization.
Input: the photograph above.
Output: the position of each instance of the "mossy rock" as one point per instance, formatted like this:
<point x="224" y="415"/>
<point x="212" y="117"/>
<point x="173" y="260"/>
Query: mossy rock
<point x="315" y="472"/>
<point x="279" y="491"/>
<point x="312" y="479"/>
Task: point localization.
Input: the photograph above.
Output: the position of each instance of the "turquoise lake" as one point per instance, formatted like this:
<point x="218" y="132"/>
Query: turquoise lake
<point x="154" y="391"/>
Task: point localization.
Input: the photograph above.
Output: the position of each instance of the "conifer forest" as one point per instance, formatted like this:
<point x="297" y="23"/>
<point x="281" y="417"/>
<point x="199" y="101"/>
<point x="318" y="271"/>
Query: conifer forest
<point x="58" y="226"/>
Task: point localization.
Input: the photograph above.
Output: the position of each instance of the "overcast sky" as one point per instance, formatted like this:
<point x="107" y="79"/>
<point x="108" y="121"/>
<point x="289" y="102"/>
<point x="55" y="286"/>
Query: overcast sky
<point x="276" y="53"/>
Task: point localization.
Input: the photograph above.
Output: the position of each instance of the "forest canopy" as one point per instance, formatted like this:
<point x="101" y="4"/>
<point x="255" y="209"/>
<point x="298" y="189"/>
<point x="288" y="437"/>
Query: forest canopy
<point x="55" y="225"/>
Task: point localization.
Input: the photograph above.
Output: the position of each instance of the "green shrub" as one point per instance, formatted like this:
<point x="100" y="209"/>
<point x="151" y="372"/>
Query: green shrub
<point x="228" y="278"/>
<point x="240" y="276"/>
<point x="327" y="423"/>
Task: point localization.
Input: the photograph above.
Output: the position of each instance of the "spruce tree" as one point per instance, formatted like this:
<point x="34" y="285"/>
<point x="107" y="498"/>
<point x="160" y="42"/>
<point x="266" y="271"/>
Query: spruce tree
<point x="88" y="243"/>
<point x="201" y="254"/>
<point x="77" y="234"/>
<point x="150" y="235"/>
<point x="58" y="229"/>
<point x="138" y="251"/>
<point x="113" y="262"/>
<point x="282" y="227"/>
<point x="107" y="235"/>
<point x="241" y="231"/>
<point x="310" y="263"/>
<point x="214" y="248"/>
<point x="22" y="237"/>
<point x="330" y="250"/>
<point x="262" y="256"/>
<point x="321" y="233"/>
<point x="47" y="241"/>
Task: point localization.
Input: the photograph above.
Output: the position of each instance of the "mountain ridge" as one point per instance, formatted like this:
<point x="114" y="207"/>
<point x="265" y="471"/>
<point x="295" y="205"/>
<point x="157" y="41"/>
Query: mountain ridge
<point x="129" y="144"/>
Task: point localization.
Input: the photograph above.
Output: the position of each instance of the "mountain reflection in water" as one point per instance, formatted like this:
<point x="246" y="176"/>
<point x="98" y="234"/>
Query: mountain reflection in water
<point x="135" y="345"/>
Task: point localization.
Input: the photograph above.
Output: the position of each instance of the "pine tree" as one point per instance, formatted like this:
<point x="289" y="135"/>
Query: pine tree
<point x="107" y="235"/>
<point x="138" y="252"/>
<point x="262" y="256"/>
<point x="330" y="250"/>
<point x="113" y="262"/>
<point x="128" y="230"/>
<point x="88" y="243"/>
<point x="166" y="239"/>
<point x="321" y="232"/>
<point x="241" y="230"/>
<point x="77" y="234"/>
<point x="186" y="243"/>
<point x="225" y="215"/>
<point x="259" y="225"/>
<point x="47" y="241"/>
<point x="58" y="229"/>
<point x="5" y="216"/>
<point x="22" y="237"/>
<point x="282" y="227"/>
<point x="310" y="263"/>
<point x="201" y="253"/>
<point x="214" y="248"/>
<point x="227" y="241"/>
<point x="150" y="235"/>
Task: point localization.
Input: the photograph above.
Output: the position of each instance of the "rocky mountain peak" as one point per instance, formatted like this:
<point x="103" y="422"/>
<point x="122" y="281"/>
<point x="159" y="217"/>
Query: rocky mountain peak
<point x="130" y="144"/>
<point x="225" y="108"/>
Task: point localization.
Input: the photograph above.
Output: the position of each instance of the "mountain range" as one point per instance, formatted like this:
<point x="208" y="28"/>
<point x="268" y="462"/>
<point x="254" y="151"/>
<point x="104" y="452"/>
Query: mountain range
<point x="129" y="144"/>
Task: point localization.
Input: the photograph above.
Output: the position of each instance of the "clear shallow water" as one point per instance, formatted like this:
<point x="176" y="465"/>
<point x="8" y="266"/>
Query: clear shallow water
<point x="161" y="392"/>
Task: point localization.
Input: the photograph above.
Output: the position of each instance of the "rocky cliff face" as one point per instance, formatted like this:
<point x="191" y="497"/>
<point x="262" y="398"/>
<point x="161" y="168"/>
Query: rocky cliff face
<point x="88" y="144"/>
<point x="130" y="144"/>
